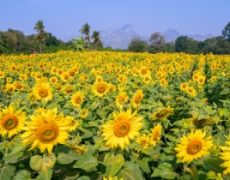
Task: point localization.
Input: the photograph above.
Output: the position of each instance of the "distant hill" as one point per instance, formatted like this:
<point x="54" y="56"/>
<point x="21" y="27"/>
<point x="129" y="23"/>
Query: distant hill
<point x="118" y="37"/>
<point x="121" y="37"/>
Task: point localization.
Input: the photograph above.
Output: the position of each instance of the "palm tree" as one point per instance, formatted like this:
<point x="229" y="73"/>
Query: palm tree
<point x="96" y="39"/>
<point x="39" y="27"/>
<point x="85" y="30"/>
<point x="78" y="44"/>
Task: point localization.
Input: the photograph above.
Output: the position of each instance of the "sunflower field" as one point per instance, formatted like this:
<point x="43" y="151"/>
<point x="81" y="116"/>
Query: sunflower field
<point x="114" y="116"/>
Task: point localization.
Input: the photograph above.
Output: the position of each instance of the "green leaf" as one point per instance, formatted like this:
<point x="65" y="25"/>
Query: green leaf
<point x="213" y="164"/>
<point x="144" y="165"/>
<point x="113" y="163"/>
<point x="39" y="163"/>
<point x="164" y="170"/>
<point x="131" y="172"/>
<point x="83" y="178"/>
<point x="22" y="174"/>
<point x="35" y="162"/>
<point x="213" y="175"/>
<point x="14" y="155"/>
<point x="45" y="175"/>
<point x="67" y="158"/>
<point x="87" y="163"/>
<point x="6" y="172"/>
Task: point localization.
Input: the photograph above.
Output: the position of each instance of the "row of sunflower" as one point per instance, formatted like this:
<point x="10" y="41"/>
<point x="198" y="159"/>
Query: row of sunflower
<point x="113" y="115"/>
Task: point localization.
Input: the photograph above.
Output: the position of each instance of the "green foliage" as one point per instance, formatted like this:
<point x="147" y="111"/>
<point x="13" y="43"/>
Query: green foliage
<point x="226" y="32"/>
<point x="138" y="45"/>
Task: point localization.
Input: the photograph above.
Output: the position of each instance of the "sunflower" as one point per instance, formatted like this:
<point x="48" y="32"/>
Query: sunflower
<point x="184" y="86"/>
<point x="225" y="156"/>
<point x="77" y="99"/>
<point x="53" y="80"/>
<point x="155" y="134"/>
<point x="67" y="89"/>
<point x="193" y="146"/>
<point x="11" y="121"/>
<point x="119" y="131"/>
<point x="46" y="129"/>
<point x="42" y="91"/>
<point x="9" y="87"/>
<point x="144" y="141"/>
<point x="18" y="85"/>
<point x="137" y="98"/>
<point x="191" y="91"/>
<point x="147" y="79"/>
<point x="84" y="113"/>
<point x="2" y="74"/>
<point x="162" y="113"/>
<point x="201" y="80"/>
<point x="121" y="99"/>
<point x="100" y="88"/>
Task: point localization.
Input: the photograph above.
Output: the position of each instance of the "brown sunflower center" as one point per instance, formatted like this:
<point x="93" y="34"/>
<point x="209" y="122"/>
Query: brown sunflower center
<point x="122" y="99"/>
<point x="43" y="93"/>
<point x="184" y="86"/>
<point x="47" y="132"/>
<point x="155" y="135"/>
<point x="194" y="147"/>
<point x="162" y="113"/>
<point x="77" y="99"/>
<point x="137" y="99"/>
<point x="121" y="128"/>
<point x="9" y="122"/>
<point x="101" y="88"/>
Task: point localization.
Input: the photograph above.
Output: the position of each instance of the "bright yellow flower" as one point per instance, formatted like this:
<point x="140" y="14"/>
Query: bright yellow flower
<point x="162" y="113"/>
<point x="225" y="156"/>
<point x="121" y="99"/>
<point x="100" y="88"/>
<point x="42" y="91"/>
<point x="77" y="99"/>
<point x="155" y="134"/>
<point x="193" y="146"/>
<point x="119" y="131"/>
<point x="144" y="141"/>
<point x="46" y="129"/>
<point x="11" y="121"/>
<point x="137" y="98"/>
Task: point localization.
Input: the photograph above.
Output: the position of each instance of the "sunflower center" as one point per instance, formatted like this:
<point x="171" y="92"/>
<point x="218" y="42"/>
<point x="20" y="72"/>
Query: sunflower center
<point x="162" y="113"/>
<point x="137" y="99"/>
<point x="194" y="147"/>
<point x="101" y="88"/>
<point x="47" y="132"/>
<point x="155" y="135"/>
<point x="9" y="122"/>
<point x="121" y="129"/>
<point x="77" y="99"/>
<point x="43" y="93"/>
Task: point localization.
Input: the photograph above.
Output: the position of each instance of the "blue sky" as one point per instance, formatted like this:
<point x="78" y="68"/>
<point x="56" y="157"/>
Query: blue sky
<point x="64" y="18"/>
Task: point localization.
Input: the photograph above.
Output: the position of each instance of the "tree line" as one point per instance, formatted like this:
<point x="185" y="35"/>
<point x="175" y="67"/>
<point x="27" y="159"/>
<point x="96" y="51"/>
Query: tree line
<point x="15" y="41"/>
<point x="157" y="43"/>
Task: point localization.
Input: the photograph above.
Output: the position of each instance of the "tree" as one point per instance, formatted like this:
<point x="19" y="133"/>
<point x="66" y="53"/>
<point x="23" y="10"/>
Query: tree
<point x="78" y="44"/>
<point x="226" y="32"/>
<point x="97" y="43"/>
<point x="137" y="45"/>
<point x="12" y="41"/>
<point x="85" y="32"/>
<point x="157" y="42"/>
<point x="51" y="40"/>
<point x="186" y="44"/>
<point x="157" y="39"/>
<point x="40" y="28"/>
